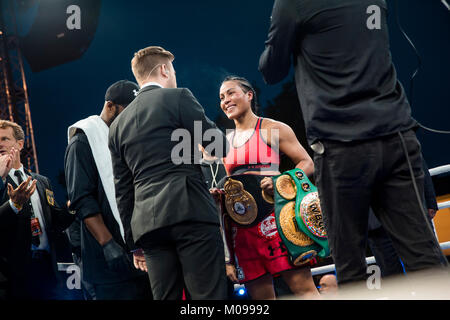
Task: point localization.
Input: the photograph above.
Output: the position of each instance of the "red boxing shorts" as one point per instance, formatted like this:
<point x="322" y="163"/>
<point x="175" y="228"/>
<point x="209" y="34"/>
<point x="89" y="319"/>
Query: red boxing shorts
<point x="259" y="250"/>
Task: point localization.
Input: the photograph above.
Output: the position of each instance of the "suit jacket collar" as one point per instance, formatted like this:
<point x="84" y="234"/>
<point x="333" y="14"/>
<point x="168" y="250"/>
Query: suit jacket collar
<point x="148" y="84"/>
<point x="22" y="170"/>
<point x="148" y="88"/>
<point x="10" y="181"/>
<point x="9" y="178"/>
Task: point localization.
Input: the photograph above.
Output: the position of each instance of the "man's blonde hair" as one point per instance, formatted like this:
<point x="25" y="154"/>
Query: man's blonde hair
<point x="17" y="130"/>
<point x="145" y="61"/>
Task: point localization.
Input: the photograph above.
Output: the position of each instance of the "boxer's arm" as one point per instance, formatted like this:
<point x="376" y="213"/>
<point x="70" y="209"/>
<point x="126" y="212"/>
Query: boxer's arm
<point x="281" y="136"/>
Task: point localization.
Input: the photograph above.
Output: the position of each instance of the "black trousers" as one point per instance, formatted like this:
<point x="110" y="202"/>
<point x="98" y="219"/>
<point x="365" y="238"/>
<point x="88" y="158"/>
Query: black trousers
<point x="137" y="288"/>
<point x="385" y="255"/>
<point x="186" y="256"/>
<point x="35" y="279"/>
<point x="351" y="177"/>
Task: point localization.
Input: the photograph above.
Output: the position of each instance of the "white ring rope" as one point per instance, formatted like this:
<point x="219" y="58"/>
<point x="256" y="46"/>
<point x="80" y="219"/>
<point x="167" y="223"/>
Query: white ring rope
<point x="440" y="170"/>
<point x="331" y="267"/>
<point x="371" y="260"/>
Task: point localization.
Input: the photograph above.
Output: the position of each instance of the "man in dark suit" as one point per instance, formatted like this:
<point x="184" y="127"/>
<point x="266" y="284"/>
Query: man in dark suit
<point x="30" y="228"/>
<point x="5" y="166"/>
<point x="164" y="203"/>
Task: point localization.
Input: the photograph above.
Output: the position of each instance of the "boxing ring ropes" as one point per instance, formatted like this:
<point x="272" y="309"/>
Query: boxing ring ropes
<point x="371" y="260"/>
<point x="331" y="268"/>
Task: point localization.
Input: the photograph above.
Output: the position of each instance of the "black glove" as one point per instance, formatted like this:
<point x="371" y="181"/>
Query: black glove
<point x="116" y="257"/>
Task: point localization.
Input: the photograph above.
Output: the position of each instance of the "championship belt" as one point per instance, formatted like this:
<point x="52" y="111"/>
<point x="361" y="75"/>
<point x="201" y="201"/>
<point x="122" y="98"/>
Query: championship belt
<point x="299" y="217"/>
<point x="244" y="200"/>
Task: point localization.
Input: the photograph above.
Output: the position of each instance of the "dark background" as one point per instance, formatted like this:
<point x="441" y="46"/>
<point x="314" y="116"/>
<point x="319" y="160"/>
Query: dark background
<point x="211" y="39"/>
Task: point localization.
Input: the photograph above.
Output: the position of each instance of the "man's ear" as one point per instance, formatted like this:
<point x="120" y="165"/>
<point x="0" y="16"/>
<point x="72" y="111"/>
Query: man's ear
<point x="20" y="143"/>
<point x="165" y="70"/>
<point x="109" y="105"/>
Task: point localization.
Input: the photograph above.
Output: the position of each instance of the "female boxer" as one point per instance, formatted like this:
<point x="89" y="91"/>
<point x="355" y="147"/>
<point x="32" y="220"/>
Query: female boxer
<point x="255" y="147"/>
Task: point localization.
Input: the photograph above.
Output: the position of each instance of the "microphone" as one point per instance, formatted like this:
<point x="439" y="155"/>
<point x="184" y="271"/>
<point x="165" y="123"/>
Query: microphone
<point x="445" y="3"/>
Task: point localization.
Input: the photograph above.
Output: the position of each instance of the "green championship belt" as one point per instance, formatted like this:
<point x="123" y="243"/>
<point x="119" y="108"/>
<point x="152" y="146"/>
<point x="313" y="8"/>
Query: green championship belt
<point x="299" y="217"/>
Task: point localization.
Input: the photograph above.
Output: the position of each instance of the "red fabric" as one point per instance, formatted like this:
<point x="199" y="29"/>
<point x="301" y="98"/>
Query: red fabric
<point x="260" y="250"/>
<point x="254" y="152"/>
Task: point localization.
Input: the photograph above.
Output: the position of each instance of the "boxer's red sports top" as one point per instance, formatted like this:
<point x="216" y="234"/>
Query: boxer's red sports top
<point x="254" y="155"/>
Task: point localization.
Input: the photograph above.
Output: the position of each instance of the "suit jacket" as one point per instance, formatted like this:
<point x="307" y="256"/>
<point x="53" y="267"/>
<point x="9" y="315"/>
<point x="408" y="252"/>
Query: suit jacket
<point x="151" y="190"/>
<point x="3" y="266"/>
<point x="15" y="232"/>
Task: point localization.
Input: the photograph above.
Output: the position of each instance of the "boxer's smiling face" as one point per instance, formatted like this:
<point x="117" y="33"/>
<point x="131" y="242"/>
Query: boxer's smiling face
<point x="233" y="100"/>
